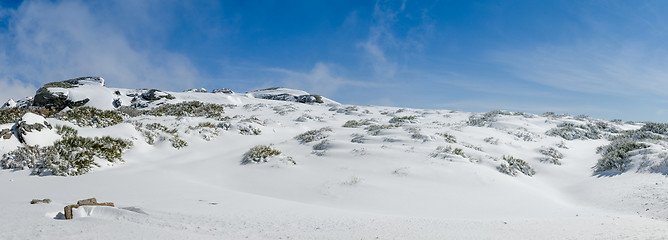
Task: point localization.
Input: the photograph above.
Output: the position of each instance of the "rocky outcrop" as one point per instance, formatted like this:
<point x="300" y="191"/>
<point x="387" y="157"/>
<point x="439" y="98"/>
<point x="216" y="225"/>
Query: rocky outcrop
<point x="223" y="90"/>
<point x="198" y="90"/>
<point x="155" y="94"/>
<point x="48" y="97"/>
<point x="292" y="98"/>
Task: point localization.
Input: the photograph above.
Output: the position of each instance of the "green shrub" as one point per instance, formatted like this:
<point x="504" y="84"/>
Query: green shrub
<point x="259" y="154"/>
<point x="354" y="123"/>
<point x="447" y="152"/>
<point x="66" y="132"/>
<point x="188" y="109"/>
<point x="73" y="155"/>
<point x="177" y="142"/>
<point x="91" y="117"/>
<point x="375" y="129"/>
<point x="512" y="166"/>
<point x="486" y="119"/>
<point x="249" y="130"/>
<point x="404" y="119"/>
<point x="313" y="135"/>
<point x="12" y="115"/>
<point x="448" y="137"/>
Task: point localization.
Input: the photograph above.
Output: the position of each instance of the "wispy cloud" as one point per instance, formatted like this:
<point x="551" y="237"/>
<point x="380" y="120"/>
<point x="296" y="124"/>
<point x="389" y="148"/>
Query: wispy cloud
<point x="52" y="41"/>
<point x="385" y="47"/>
<point x="322" y="79"/>
<point x="593" y="67"/>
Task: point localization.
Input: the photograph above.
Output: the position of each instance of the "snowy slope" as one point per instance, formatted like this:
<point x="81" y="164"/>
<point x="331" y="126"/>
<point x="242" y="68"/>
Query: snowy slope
<point x="428" y="174"/>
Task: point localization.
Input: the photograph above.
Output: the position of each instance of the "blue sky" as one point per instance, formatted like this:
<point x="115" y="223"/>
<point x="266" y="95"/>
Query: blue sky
<point x="607" y="59"/>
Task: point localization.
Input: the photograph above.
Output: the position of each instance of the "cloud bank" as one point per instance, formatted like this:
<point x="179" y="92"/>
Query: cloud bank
<point x="52" y="41"/>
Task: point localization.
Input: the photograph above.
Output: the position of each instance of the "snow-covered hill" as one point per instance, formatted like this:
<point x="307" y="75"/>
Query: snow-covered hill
<point x="284" y="164"/>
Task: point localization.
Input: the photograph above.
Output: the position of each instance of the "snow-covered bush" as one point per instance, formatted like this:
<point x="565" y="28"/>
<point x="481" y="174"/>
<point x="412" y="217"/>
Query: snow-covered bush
<point x="11" y="115"/>
<point x="658" y="128"/>
<point x="358" y="123"/>
<point x="188" y="109"/>
<point x="306" y="117"/>
<point x="130" y="111"/>
<point x="550" y="155"/>
<point x="284" y="109"/>
<point x="159" y="132"/>
<point x="249" y="130"/>
<point x="66" y="132"/>
<point x="320" y="148"/>
<point x="553" y="115"/>
<point x="261" y="154"/>
<point x="207" y="130"/>
<point x="252" y="119"/>
<point x="344" y="109"/>
<point x="447" y="152"/>
<point x="523" y="134"/>
<point x="357" y="138"/>
<point x="486" y="119"/>
<point x="571" y="131"/>
<point x="313" y="135"/>
<point x="512" y="166"/>
<point x="73" y="155"/>
<point x="177" y="142"/>
<point x="449" y="138"/>
<point x="615" y="156"/>
<point x="492" y="140"/>
<point x="404" y="119"/>
<point x="376" y="129"/>
<point x="417" y="134"/>
<point x="91" y="117"/>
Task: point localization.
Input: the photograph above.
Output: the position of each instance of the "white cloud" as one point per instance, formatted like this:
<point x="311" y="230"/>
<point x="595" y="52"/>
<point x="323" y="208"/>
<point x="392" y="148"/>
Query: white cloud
<point x="321" y="79"/>
<point x="15" y="90"/>
<point x="380" y="35"/>
<point x="625" y="69"/>
<point x="53" y="41"/>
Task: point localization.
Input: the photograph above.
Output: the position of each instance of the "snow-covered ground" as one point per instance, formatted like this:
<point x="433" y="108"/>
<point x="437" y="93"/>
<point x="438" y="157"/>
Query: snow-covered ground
<point x="428" y="174"/>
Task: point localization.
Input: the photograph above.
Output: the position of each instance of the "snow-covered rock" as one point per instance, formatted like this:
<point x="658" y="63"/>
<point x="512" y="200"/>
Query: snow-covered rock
<point x="290" y="95"/>
<point x="35" y="130"/>
<point x="9" y="104"/>
<point x="72" y="93"/>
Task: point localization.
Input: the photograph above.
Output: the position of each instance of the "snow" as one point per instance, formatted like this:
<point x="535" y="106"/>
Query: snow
<point x="387" y="187"/>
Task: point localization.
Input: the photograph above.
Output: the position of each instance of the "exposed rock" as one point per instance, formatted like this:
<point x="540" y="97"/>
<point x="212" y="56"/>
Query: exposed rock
<point x="223" y="90"/>
<point x="84" y="202"/>
<point x="6" y="133"/>
<point x="199" y="90"/>
<point x="155" y="94"/>
<point x="117" y="103"/>
<point x="85" y="80"/>
<point x="89" y="201"/>
<point x="35" y="201"/>
<point x="292" y="98"/>
<point x="33" y="129"/>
